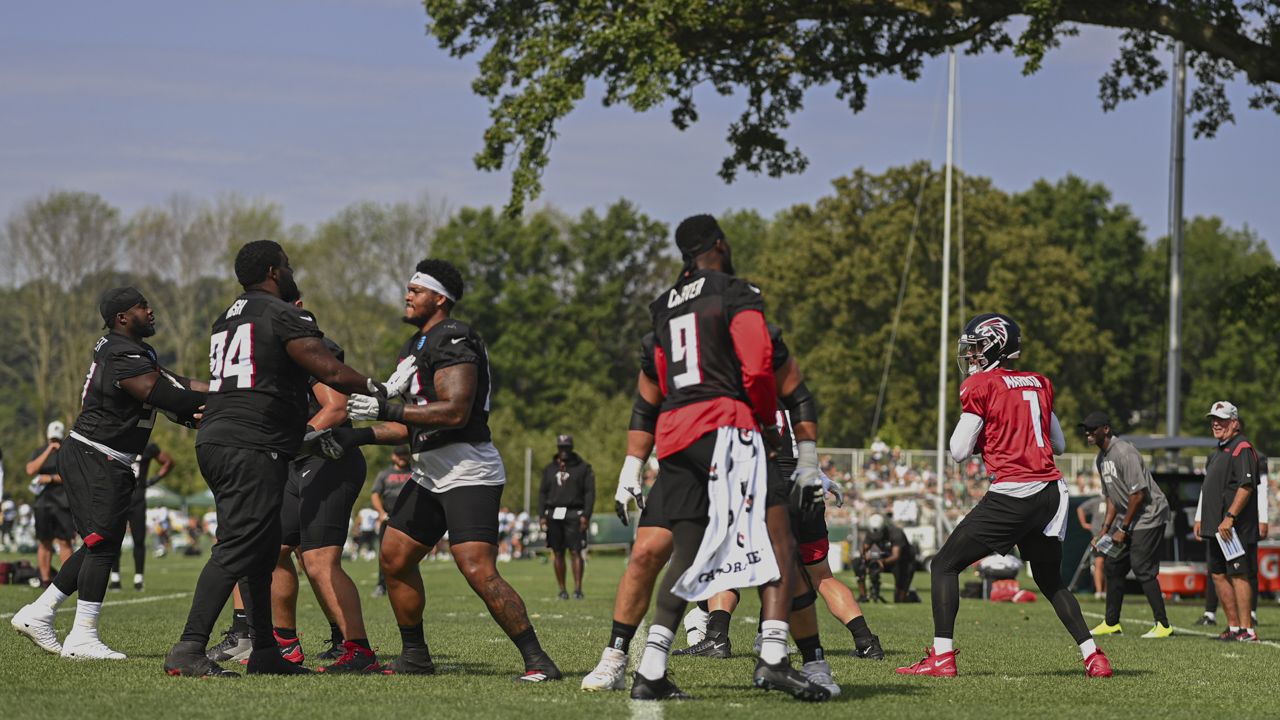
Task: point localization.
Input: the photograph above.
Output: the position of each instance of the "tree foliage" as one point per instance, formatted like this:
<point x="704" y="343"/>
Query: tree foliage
<point x="537" y="59"/>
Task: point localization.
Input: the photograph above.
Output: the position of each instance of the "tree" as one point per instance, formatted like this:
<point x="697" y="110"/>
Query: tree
<point x="538" y="59"/>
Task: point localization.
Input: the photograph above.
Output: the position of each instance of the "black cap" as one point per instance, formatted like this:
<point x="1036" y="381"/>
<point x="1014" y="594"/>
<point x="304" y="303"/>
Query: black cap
<point x="117" y="300"/>
<point x="696" y="235"/>
<point x="1095" y="420"/>
<point x="564" y="441"/>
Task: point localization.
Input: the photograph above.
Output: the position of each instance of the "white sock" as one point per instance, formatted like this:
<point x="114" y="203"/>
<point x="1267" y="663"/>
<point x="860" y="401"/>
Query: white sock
<point x="1087" y="648"/>
<point x="943" y="645"/>
<point x="653" y="664"/>
<point x="1211" y="615"/>
<point x="773" y="641"/>
<point x="137" y="578"/>
<point x="1234" y="628"/>
<point x="115" y="576"/>
<point x="51" y="598"/>
<point x="86" y="622"/>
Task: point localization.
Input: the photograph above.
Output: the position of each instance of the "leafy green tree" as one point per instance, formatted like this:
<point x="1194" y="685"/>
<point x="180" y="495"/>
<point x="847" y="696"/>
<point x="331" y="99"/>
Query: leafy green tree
<point x="538" y="59"/>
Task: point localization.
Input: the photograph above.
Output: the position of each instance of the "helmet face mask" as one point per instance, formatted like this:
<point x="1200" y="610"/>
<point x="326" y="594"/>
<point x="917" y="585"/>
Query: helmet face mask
<point x="987" y="341"/>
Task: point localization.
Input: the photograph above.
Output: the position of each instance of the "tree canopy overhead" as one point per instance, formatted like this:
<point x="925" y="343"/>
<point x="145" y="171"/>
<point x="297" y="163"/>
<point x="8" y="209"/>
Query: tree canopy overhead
<point x="537" y="58"/>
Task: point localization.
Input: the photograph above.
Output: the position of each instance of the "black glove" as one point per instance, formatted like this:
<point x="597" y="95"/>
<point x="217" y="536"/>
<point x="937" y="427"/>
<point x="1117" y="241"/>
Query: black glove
<point x="376" y="389"/>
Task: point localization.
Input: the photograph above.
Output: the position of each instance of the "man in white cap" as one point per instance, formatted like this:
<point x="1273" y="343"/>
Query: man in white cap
<point x="1229" y="517"/>
<point x="886" y="547"/>
<point x="52" y="508"/>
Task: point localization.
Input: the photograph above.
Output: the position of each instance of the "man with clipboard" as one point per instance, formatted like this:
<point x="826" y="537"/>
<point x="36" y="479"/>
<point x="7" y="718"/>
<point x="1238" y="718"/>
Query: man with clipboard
<point x="1230" y="518"/>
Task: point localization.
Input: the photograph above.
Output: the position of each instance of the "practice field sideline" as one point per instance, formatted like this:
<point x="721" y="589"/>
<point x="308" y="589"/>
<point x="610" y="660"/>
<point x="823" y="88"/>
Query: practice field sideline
<point x="1015" y="661"/>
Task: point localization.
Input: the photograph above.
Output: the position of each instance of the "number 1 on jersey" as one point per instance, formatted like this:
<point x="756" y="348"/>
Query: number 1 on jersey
<point x="1034" y="401"/>
<point x="231" y="361"/>
<point x="684" y="348"/>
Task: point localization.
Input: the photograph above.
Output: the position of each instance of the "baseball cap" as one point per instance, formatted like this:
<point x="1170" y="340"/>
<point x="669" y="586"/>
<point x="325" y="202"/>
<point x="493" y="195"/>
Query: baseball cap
<point x="697" y="234"/>
<point x="564" y="441"/>
<point x="1224" y="410"/>
<point x="1095" y="420"/>
<point x="55" y="430"/>
<point x="117" y="300"/>
<point x="875" y="522"/>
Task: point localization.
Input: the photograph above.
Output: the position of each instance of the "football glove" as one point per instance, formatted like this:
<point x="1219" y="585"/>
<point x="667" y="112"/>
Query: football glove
<point x="807" y="489"/>
<point x="398" y="383"/>
<point x="364" y="407"/>
<point x="376" y="388"/>
<point x="628" y="487"/>
<point x="322" y="443"/>
<point x="832" y="487"/>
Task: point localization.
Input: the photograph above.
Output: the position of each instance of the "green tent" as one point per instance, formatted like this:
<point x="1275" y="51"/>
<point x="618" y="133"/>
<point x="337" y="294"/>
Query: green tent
<point x="201" y="499"/>
<point x="161" y="496"/>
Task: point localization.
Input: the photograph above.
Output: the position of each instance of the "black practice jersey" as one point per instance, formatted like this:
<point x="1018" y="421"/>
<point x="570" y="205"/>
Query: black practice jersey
<point x="446" y="344"/>
<point x="691" y="322"/>
<point x="108" y="414"/>
<point x="257" y="393"/>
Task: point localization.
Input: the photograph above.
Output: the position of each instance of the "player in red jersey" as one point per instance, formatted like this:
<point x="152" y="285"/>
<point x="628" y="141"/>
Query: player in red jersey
<point x="1008" y="418"/>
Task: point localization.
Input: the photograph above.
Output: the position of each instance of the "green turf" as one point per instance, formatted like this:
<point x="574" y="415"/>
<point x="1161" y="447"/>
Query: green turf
<point x="1016" y="661"/>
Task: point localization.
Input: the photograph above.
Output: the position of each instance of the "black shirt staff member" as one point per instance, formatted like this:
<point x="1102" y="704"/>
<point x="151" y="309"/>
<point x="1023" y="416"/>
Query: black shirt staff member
<point x="1139" y="536"/>
<point x="138" y="511"/>
<point x="52" y="513"/>
<point x="1227" y="511"/>
<point x="893" y="552"/>
<point x="383" y="497"/>
<point x="565" y="499"/>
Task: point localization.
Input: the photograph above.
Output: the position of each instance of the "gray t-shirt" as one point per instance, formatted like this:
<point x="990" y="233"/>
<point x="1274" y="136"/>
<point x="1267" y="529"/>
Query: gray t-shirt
<point x="1124" y="473"/>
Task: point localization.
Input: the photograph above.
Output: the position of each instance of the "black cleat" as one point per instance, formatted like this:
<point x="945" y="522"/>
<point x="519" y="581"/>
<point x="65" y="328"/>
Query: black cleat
<point x="187" y="659"/>
<point x="268" y="661"/>
<point x="1206" y="620"/>
<point x="870" y="651"/>
<point x="235" y="646"/>
<point x="541" y="669"/>
<point x="334" y="652"/>
<point x="411" y="662"/>
<point x="564" y="595"/>
<point x="577" y="595"/>
<point x="643" y="688"/>
<point x="710" y="647"/>
<point x="113" y="585"/>
<point x="354" y="659"/>
<point x="787" y="679"/>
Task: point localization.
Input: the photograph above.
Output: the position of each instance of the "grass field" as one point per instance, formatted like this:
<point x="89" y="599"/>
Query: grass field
<point x="1015" y="661"/>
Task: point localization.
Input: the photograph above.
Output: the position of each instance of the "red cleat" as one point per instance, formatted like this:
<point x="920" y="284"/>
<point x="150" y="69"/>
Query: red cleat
<point x="943" y="665"/>
<point x="290" y="649"/>
<point x="1097" y="665"/>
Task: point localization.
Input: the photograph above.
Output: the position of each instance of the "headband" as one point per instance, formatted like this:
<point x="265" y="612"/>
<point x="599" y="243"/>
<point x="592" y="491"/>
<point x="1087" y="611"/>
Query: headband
<point x="422" y="279"/>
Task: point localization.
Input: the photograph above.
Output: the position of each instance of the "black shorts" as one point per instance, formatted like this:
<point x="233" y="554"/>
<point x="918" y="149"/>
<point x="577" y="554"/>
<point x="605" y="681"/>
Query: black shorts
<point x="247" y="485"/>
<point x="100" y="491"/>
<point x="566" y="534"/>
<point x="54" y="523"/>
<point x="1219" y="565"/>
<point x="468" y="514"/>
<point x="1141" y="553"/>
<point x="680" y="491"/>
<point x="999" y="522"/>
<point x="318" y="498"/>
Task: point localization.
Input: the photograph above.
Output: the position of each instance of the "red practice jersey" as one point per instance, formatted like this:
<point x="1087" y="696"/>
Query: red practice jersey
<point x="1015" y="408"/>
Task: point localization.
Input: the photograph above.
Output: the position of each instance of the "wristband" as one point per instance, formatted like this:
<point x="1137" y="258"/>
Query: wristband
<point x="807" y="454"/>
<point x="393" y="412"/>
<point x="631" y="467"/>
<point x="1231" y="515"/>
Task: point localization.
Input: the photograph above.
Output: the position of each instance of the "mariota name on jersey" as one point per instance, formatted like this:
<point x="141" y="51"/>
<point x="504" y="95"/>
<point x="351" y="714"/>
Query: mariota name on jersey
<point x="687" y="293"/>
<point x="1017" y="381"/>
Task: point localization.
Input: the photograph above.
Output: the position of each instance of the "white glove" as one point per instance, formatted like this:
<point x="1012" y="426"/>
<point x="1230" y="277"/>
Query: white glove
<point x="363" y="407"/>
<point x="830" y="486"/>
<point x="628" y="487"/>
<point x="806" y="493"/>
<point x="398" y="383"/>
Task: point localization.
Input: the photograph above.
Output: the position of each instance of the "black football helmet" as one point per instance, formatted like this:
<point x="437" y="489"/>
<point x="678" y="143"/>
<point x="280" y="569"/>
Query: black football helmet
<point x="988" y="340"/>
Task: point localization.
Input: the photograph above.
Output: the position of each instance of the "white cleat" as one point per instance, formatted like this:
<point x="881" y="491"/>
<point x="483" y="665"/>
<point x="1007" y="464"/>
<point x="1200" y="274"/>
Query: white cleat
<point x="610" y="674"/>
<point x="88" y="648"/>
<point x="36" y="623"/>
<point x="695" y="625"/>
<point x="819" y="673"/>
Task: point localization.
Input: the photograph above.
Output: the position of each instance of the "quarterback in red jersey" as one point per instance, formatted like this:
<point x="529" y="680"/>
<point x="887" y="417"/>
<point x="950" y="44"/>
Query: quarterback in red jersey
<point x="1007" y="417"/>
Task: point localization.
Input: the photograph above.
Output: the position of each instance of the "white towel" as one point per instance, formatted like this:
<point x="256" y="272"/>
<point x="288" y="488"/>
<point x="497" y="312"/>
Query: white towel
<point x="735" y="550"/>
<point x="1057" y="527"/>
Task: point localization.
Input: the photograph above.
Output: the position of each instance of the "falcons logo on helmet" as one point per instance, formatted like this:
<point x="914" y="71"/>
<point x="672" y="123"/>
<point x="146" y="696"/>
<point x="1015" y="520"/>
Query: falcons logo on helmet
<point x="995" y="329"/>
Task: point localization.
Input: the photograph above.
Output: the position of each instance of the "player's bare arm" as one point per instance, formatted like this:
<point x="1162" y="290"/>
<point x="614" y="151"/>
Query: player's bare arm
<point x="315" y="357"/>
<point x="333" y="407"/>
<point x="456" y="390"/>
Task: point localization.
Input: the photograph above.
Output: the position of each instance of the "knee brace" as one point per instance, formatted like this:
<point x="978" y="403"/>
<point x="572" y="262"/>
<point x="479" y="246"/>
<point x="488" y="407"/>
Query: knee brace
<point x="803" y="601"/>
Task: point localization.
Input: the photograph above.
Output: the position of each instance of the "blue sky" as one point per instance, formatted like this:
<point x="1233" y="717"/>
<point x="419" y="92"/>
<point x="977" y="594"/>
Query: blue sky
<point x="316" y="104"/>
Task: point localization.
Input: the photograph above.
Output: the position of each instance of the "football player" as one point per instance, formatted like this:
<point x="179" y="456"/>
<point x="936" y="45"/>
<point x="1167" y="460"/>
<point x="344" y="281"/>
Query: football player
<point x="1007" y="417"/>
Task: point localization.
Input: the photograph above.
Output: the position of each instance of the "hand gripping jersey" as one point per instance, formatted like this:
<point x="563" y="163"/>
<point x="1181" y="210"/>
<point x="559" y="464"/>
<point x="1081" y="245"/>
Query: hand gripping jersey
<point x="1015" y="408"/>
<point x="257" y="393"/>
<point x="448" y="343"/>
<point x="109" y="415"/>
<point x="712" y="359"/>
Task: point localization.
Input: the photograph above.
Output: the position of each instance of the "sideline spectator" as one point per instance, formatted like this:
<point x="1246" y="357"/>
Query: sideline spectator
<point x="52" y="506"/>
<point x="565" y="501"/>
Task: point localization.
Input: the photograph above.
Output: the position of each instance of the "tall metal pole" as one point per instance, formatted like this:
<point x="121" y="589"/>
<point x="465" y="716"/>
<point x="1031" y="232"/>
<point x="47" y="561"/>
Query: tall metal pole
<point x="528" y="477"/>
<point x="943" y="338"/>
<point x="1174" y="378"/>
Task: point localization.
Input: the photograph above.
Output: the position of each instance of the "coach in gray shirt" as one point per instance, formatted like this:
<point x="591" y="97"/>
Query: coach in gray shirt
<point x="1139" y="536"/>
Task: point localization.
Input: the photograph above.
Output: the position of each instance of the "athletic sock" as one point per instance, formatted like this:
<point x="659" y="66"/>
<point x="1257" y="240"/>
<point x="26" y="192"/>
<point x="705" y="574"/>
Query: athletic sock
<point x="137" y="578"/>
<point x="362" y="642"/>
<point x="942" y="646"/>
<point x="1234" y="628"/>
<point x="335" y="634"/>
<point x="773" y="641"/>
<point x="704" y="606"/>
<point x="529" y="647"/>
<point x="86" y="622"/>
<point x="283" y="633"/>
<point x="718" y="624"/>
<point x="411" y="637"/>
<point x="115" y="576"/>
<point x="620" y="637"/>
<point x="52" y="598"/>
<point x="653" y="664"/>
<point x="240" y="622"/>
<point x="858" y="626"/>
<point x="810" y="648"/>
<point x="1087" y="648"/>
